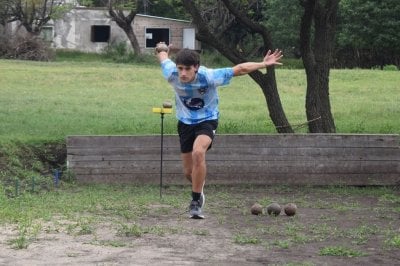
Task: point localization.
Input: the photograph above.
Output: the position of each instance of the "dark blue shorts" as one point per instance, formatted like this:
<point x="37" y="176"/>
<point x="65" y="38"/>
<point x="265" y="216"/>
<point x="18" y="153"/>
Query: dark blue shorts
<point x="188" y="133"/>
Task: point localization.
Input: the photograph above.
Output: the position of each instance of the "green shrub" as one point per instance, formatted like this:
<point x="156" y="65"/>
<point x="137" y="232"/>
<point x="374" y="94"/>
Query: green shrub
<point x="77" y="56"/>
<point x="292" y="63"/>
<point x="119" y="53"/>
<point x="390" y="68"/>
<point x="386" y="67"/>
<point x="214" y="59"/>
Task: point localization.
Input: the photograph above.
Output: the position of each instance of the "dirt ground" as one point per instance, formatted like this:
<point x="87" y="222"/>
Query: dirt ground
<point x="354" y="226"/>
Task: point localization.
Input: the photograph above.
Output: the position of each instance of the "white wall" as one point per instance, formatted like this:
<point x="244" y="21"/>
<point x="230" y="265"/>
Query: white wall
<point x="73" y="31"/>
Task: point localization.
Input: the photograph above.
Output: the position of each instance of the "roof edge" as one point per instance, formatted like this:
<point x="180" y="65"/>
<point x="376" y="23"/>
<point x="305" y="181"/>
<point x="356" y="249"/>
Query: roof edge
<point x="140" y="15"/>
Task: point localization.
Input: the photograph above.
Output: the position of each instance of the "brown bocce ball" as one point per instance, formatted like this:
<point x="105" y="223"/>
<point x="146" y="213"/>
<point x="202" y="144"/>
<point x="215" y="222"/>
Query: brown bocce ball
<point x="256" y="209"/>
<point x="290" y="209"/>
<point x="274" y="209"/>
<point x="167" y="104"/>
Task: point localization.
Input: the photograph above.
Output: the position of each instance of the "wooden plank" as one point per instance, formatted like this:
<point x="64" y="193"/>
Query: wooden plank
<point x="308" y="140"/>
<point x="308" y="153"/>
<point x="272" y="140"/>
<point x="121" y="141"/>
<point x="226" y="152"/>
<point x="238" y="159"/>
<point x="222" y="153"/>
<point x="355" y="179"/>
<point x="266" y="179"/>
<point x="140" y="151"/>
<point x="249" y="167"/>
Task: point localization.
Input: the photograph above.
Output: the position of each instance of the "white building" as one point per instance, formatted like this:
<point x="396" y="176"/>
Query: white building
<point x="92" y="30"/>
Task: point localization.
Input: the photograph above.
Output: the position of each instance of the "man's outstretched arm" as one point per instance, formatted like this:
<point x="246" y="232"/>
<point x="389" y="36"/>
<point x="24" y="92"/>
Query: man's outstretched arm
<point x="270" y="59"/>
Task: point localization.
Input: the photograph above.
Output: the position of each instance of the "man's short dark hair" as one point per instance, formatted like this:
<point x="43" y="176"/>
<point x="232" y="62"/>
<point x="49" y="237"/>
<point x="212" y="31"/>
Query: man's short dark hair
<point x="187" y="57"/>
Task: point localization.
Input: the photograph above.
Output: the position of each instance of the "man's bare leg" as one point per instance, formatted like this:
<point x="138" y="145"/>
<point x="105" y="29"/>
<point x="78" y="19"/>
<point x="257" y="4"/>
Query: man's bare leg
<point x="187" y="165"/>
<point x="194" y="163"/>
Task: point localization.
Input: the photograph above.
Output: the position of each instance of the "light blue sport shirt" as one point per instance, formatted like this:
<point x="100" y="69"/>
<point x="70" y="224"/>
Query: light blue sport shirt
<point x="196" y="101"/>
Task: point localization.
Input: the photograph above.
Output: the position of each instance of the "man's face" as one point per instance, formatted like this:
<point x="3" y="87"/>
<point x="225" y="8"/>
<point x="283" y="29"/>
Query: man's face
<point x="187" y="73"/>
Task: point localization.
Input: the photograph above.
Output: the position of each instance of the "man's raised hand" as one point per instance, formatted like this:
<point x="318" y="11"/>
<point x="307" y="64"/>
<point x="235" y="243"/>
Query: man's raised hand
<point x="161" y="47"/>
<point x="273" y="58"/>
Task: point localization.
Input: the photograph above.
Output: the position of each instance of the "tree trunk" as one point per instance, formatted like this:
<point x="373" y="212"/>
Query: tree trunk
<point x="125" y="23"/>
<point x="316" y="59"/>
<point x="133" y="40"/>
<point x="32" y="20"/>
<point x="267" y="81"/>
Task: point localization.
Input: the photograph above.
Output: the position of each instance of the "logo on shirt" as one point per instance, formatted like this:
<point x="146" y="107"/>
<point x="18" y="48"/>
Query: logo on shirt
<point x="193" y="103"/>
<point x="202" y="91"/>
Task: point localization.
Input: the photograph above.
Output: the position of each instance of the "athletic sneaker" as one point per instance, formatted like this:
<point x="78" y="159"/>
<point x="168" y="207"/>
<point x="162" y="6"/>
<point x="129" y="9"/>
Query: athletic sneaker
<point x="195" y="211"/>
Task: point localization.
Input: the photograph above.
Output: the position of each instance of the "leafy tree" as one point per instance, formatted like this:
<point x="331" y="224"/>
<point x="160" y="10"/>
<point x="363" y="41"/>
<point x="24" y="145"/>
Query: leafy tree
<point x="162" y="8"/>
<point x="316" y="39"/>
<point x="117" y="9"/>
<point x="166" y="8"/>
<point x="31" y="46"/>
<point x="5" y="11"/>
<point x="369" y="33"/>
<point x="283" y="21"/>
<point x="34" y="14"/>
<point x="215" y="28"/>
<point x="93" y="3"/>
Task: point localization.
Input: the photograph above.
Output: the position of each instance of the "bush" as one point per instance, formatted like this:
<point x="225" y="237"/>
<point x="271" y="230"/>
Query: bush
<point x="25" y="48"/>
<point x="119" y="53"/>
<point x="292" y="63"/>
<point x="390" y="68"/>
<point x="77" y="56"/>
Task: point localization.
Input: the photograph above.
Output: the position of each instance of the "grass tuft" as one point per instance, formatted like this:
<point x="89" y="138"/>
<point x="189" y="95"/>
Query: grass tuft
<point x="245" y="240"/>
<point x="393" y="241"/>
<point x="340" y="251"/>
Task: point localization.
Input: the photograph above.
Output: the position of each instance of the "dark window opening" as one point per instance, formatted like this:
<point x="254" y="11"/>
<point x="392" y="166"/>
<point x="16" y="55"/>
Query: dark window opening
<point x="156" y="35"/>
<point x="100" y="33"/>
<point x="47" y="33"/>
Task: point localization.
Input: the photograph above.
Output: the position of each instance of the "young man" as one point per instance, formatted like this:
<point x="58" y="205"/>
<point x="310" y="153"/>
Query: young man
<point x="197" y="111"/>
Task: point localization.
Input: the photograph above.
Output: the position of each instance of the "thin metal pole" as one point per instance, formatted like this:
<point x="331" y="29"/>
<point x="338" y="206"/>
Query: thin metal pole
<point x="161" y="153"/>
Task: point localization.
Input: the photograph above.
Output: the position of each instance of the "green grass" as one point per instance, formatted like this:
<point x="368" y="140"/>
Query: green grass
<point x="77" y="56"/>
<point x="45" y="102"/>
<point x="92" y="199"/>
<point x="393" y="241"/>
<point x="48" y="101"/>
<point x="361" y="234"/>
<point x="245" y="240"/>
<point x="341" y="251"/>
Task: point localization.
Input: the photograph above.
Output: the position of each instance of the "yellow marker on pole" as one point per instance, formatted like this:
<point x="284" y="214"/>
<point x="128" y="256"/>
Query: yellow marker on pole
<point x="162" y="110"/>
<point x="165" y="109"/>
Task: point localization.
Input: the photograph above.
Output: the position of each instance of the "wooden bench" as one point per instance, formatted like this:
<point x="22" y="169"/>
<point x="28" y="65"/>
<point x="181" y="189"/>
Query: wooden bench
<point x="289" y="159"/>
